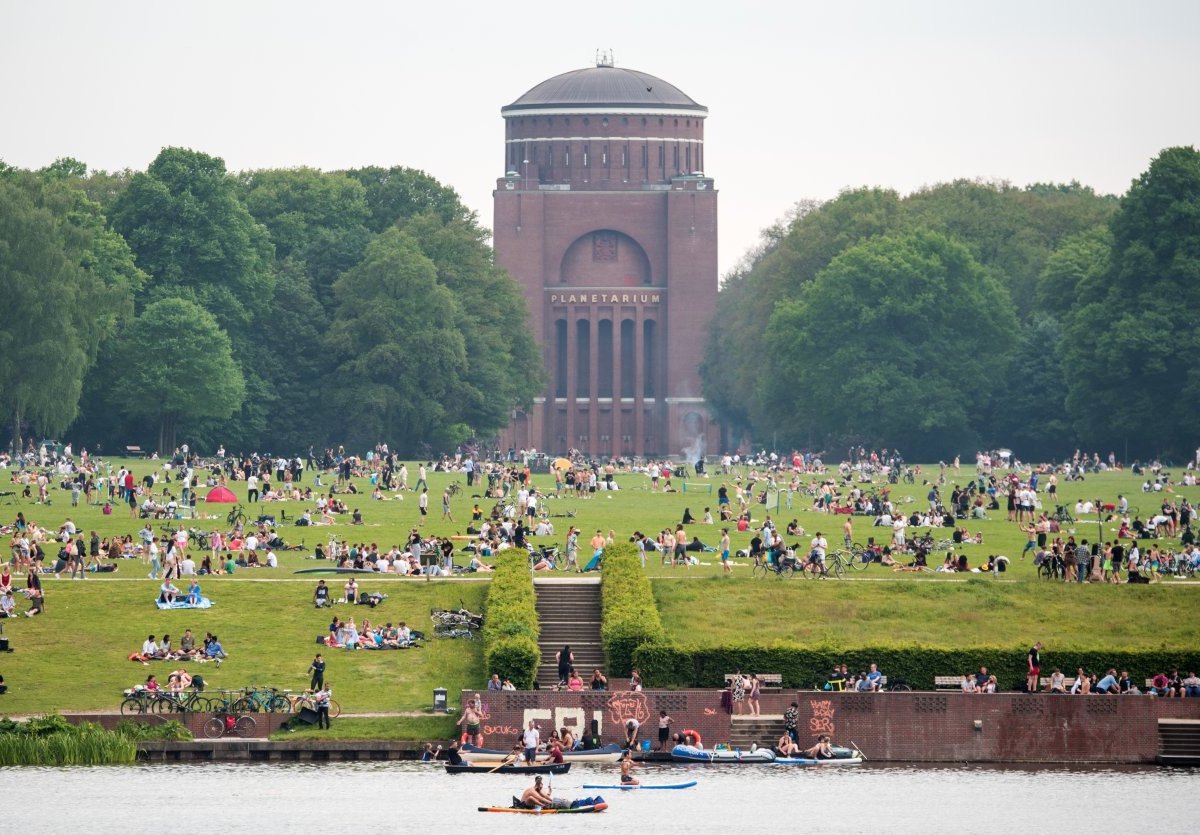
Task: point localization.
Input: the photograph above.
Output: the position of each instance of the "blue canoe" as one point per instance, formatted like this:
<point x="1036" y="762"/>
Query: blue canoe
<point x="687" y="785"/>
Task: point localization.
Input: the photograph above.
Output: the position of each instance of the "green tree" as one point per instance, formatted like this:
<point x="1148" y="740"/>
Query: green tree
<point x="185" y="224"/>
<point x="399" y="353"/>
<point x="177" y="368"/>
<point x="504" y="364"/>
<point x="923" y="334"/>
<point x="1132" y="342"/>
<point x="397" y="193"/>
<point x="67" y="281"/>
<point x="1074" y="271"/>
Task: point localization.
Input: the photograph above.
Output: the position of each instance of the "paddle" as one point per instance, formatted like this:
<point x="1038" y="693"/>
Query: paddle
<point x="859" y="750"/>
<point x="506" y="761"/>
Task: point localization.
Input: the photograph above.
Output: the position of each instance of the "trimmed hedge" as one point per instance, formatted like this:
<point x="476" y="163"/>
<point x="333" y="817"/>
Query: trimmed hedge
<point x="510" y="633"/>
<point x="630" y="614"/>
<point x="674" y="665"/>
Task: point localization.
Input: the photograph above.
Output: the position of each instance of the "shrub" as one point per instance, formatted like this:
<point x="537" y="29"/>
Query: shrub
<point x="675" y="665"/>
<point x="51" y="740"/>
<point x="510" y="633"/>
<point x="630" y="614"/>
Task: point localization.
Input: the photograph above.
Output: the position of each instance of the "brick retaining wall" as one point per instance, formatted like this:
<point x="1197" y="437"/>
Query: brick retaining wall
<point x="925" y="726"/>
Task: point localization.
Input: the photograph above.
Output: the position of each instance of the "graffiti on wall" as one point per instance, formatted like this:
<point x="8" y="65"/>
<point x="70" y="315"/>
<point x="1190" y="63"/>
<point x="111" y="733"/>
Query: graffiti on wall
<point x="822" y="718"/>
<point x="626" y="705"/>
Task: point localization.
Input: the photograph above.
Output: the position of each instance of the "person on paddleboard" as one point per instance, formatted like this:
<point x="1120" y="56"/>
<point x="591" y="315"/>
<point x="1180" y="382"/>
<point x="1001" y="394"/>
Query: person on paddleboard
<point x="627" y="778"/>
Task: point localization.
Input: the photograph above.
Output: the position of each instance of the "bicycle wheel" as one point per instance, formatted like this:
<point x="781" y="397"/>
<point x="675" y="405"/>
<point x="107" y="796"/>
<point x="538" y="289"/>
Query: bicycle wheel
<point x="245" y="726"/>
<point x="811" y="570"/>
<point x="279" y="704"/>
<point x="857" y="558"/>
<point x="214" y="728"/>
<point x="245" y="705"/>
<point x="900" y="688"/>
<point x="132" y="706"/>
<point x="759" y="570"/>
<point x="838" y="568"/>
<point x="164" y="704"/>
<point x="335" y="709"/>
<point x="786" y="570"/>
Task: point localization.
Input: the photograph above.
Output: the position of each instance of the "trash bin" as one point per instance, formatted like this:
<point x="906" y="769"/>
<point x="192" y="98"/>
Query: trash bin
<point x="439" y="700"/>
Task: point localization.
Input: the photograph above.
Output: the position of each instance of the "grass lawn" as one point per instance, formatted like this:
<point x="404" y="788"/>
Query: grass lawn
<point x="74" y="656"/>
<point x="978" y="612"/>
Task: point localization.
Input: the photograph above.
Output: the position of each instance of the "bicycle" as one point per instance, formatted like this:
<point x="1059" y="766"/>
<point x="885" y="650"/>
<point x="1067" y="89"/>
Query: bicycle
<point x="190" y="701"/>
<point x="1052" y="568"/>
<point x="237" y="517"/>
<point x="305" y="700"/>
<point x="454" y="489"/>
<point x="783" y="567"/>
<point x="267" y="700"/>
<point x="227" y="724"/>
<point x="452" y="631"/>
<point x="136" y="702"/>
<point x="859" y="557"/>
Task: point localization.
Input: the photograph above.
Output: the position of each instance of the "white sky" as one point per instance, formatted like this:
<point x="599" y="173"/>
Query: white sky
<point x="804" y="98"/>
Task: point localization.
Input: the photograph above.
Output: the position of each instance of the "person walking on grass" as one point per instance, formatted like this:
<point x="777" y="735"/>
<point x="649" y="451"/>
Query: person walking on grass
<point x="317" y="668"/>
<point x="423" y="506"/>
<point x="726" y="566"/>
<point x="446" y="514"/>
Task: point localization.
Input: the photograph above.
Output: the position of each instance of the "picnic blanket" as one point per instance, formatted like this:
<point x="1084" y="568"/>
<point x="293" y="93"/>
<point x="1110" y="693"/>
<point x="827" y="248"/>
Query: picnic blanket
<point x="182" y="603"/>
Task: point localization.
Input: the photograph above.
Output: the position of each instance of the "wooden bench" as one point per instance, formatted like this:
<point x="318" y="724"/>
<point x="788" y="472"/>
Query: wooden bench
<point x="770" y="681"/>
<point x="135" y="452"/>
<point x="1068" y="683"/>
<point x="947" y="682"/>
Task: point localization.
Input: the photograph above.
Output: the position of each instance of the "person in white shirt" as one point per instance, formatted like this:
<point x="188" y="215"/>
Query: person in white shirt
<point x="188" y="567"/>
<point x="530" y="740"/>
<point x="272" y="560"/>
<point x="898" y="527"/>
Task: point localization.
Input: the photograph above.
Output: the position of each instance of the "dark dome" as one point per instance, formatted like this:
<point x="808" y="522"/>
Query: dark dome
<point x="605" y="86"/>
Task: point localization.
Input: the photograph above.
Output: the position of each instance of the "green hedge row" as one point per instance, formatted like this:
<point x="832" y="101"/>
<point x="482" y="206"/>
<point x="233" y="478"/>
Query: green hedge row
<point x="673" y="665"/>
<point x="630" y="614"/>
<point x="510" y="633"/>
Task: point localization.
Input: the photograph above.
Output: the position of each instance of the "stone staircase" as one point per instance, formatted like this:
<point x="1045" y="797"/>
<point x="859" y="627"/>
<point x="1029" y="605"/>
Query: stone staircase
<point x="569" y="612"/>
<point x="1179" y="742"/>
<point x="763" y="730"/>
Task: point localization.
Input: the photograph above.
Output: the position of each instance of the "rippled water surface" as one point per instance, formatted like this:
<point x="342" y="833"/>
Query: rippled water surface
<point x="397" y="797"/>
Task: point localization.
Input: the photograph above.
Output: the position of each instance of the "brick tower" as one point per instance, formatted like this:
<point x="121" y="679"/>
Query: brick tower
<point x="605" y="217"/>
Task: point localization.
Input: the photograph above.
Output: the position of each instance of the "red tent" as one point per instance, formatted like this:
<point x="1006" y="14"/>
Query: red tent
<point x="220" y="494"/>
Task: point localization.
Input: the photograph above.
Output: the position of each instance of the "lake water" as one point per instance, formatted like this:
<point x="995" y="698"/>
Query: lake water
<point x="398" y="797"/>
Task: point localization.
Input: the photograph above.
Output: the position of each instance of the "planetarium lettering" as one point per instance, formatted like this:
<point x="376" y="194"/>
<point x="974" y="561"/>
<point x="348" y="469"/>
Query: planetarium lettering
<point x="605" y="298"/>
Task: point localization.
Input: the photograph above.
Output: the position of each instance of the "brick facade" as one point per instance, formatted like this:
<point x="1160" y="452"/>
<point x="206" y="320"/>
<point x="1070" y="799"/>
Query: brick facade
<point x="605" y="219"/>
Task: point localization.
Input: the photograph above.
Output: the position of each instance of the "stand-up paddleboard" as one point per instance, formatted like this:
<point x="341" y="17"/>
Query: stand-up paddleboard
<point x="687" y="785"/>
<point x="599" y="807"/>
<point x="807" y="761"/>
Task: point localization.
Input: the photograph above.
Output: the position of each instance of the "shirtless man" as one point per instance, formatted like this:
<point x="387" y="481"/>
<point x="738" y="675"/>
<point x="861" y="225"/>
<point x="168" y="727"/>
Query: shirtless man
<point x="788" y="748"/>
<point x="848" y="533"/>
<point x="469" y="721"/>
<point x="627" y="778"/>
<point x="535" y="797"/>
<point x="822" y="750"/>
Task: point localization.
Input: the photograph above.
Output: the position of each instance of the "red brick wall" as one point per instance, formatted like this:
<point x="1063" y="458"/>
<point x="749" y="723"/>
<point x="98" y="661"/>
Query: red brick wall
<point x="931" y="727"/>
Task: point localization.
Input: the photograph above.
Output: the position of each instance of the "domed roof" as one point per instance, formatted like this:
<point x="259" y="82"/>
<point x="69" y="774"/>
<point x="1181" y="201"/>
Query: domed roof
<point x="604" y="86"/>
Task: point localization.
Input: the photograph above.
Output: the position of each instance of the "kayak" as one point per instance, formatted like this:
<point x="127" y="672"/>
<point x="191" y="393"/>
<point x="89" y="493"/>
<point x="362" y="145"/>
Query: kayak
<point x="692" y="754"/>
<point x="805" y="761"/>
<point x="540" y="768"/>
<point x="686" y="785"/>
<point x="607" y="754"/>
<point x="598" y="807"/>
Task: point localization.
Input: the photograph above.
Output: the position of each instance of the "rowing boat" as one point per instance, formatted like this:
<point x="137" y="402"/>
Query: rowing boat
<point x="686" y="785"/>
<point x="607" y="754"/>
<point x="597" y="807"/>
<point x="692" y="754"/>
<point x="540" y="768"/>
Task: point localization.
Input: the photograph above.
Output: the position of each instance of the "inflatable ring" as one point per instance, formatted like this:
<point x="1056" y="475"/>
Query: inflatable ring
<point x="694" y="735"/>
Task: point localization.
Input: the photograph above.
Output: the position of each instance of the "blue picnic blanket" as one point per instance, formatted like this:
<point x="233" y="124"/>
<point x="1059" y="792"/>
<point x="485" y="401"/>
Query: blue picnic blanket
<point x="182" y="603"/>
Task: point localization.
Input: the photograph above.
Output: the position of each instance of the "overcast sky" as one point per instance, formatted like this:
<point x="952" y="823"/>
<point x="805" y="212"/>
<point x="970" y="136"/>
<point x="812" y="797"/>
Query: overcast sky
<point x="804" y="98"/>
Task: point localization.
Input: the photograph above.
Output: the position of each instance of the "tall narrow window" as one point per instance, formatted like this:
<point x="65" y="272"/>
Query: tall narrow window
<point x="583" y="359"/>
<point x="648" y="353"/>
<point x="561" y="347"/>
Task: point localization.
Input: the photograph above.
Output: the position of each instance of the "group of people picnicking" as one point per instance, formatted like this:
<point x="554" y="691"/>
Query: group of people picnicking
<point x="345" y="634"/>
<point x="163" y="649"/>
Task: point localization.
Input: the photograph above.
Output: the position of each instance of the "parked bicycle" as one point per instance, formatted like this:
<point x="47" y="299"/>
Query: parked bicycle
<point x="262" y="699"/>
<point x="230" y="724"/>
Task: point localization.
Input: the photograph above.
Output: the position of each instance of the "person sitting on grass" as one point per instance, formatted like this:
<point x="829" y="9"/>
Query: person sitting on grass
<point x="167" y="592"/>
<point x="193" y="593"/>
<point x="214" y="651"/>
<point x="477" y="564"/>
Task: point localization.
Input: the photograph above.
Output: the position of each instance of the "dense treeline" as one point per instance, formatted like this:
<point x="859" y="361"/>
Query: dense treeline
<point x="264" y="310"/>
<point x="970" y="314"/>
